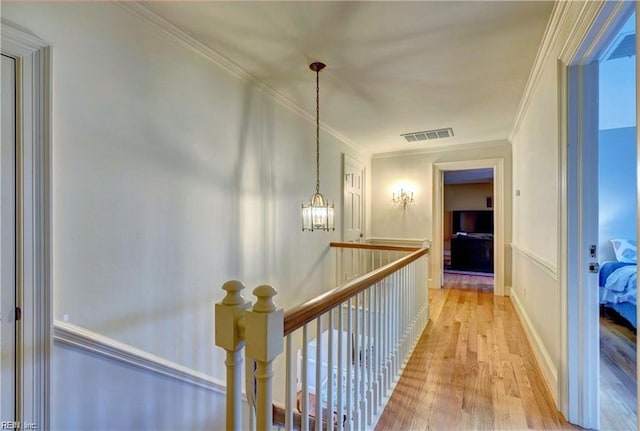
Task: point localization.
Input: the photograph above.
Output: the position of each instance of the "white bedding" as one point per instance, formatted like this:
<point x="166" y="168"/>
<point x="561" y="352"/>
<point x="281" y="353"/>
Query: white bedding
<point x="621" y="286"/>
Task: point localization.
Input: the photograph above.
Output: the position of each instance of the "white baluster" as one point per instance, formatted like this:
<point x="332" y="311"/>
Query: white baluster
<point x="371" y="342"/>
<point x="363" y="360"/>
<point x="229" y="334"/>
<point x="396" y="324"/>
<point x="290" y="385"/>
<point x="330" y="373"/>
<point x="372" y="256"/>
<point x="318" y="382"/>
<point x="350" y="347"/>
<point x="356" y="365"/>
<point x="341" y="353"/>
<point x="385" y="335"/>
<point x="264" y="335"/>
<point x="305" y="377"/>
<point x="377" y="347"/>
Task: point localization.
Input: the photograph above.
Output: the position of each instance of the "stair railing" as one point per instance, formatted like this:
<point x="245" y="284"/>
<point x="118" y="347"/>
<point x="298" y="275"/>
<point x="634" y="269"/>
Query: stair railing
<point x="344" y="349"/>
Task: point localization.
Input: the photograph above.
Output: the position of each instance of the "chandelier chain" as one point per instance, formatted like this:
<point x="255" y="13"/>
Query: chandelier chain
<point x="317" y="131"/>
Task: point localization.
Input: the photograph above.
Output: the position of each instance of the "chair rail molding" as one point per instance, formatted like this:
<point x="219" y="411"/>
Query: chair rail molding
<point x="84" y="339"/>
<point x="548" y="267"/>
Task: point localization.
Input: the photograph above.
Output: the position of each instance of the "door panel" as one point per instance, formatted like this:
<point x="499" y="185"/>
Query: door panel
<point x="7" y="242"/>
<point x="353" y="218"/>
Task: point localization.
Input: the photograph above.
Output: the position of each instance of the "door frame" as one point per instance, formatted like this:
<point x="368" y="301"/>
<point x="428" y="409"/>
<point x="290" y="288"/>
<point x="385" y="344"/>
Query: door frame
<point x="578" y="385"/>
<point x="437" y="261"/>
<point x="33" y="221"/>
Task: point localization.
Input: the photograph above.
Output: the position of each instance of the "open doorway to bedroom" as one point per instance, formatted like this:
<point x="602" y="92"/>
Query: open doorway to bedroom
<point x="617" y="221"/>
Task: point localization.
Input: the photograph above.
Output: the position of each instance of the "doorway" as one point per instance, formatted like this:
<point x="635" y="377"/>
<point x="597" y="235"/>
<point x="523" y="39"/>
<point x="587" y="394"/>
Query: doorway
<point x="495" y="166"/>
<point x="353" y="203"/>
<point x="8" y="287"/>
<point x="587" y="238"/>
<point x="617" y="216"/>
<point x="32" y="220"/>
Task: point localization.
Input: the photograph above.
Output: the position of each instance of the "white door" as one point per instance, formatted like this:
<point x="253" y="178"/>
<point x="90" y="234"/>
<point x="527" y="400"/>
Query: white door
<point x="8" y="242"/>
<point x="353" y="214"/>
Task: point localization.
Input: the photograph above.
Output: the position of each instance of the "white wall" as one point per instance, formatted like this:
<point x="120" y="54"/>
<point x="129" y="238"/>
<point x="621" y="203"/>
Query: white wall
<point x="389" y="220"/>
<point x="535" y="220"/>
<point x="170" y="176"/>
<point x="416" y="169"/>
<point x="536" y="181"/>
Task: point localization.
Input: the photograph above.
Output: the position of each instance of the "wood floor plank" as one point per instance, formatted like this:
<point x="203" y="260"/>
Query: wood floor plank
<point x="618" y="393"/>
<point x="472" y="368"/>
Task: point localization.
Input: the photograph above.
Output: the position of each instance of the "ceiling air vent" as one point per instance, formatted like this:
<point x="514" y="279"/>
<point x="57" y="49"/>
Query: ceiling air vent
<point x="428" y="135"/>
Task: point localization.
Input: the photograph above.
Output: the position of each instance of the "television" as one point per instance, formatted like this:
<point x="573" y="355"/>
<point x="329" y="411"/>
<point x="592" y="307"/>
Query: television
<point x="472" y="221"/>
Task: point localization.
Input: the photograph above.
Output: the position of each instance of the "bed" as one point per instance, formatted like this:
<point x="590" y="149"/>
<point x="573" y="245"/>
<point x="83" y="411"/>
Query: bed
<point x="618" y="281"/>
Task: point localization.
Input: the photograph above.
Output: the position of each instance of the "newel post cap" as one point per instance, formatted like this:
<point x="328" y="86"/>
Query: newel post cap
<point x="265" y="294"/>
<point x="234" y="292"/>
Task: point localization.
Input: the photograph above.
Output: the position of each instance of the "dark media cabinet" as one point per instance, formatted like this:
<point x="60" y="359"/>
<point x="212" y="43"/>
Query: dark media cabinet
<point x="472" y="252"/>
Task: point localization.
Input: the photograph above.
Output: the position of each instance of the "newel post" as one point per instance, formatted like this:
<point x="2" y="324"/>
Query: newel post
<point x="264" y="335"/>
<point x="229" y="332"/>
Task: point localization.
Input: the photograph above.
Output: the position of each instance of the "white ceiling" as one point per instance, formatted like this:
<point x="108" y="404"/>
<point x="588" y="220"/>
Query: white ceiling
<point x="392" y="67"/>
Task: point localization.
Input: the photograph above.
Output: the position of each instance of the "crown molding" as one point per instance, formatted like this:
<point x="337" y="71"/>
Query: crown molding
<point x="187" y="40"/>
<point x="551" y="33"/>
<point x="84" y="339"/>
<point x="595" y="26"/>
<point x="444" y="149"/>
<point x="567" y="16"/>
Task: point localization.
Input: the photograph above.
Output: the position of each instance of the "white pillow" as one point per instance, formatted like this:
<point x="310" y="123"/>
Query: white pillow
<point x="625" y="250"/>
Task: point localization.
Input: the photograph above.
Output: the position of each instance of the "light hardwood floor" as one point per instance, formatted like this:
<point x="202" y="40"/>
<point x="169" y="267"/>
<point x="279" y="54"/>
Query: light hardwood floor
<point x="472" y="369"/>
<point x="618" y="394"/>
<point x="468" y="281"/>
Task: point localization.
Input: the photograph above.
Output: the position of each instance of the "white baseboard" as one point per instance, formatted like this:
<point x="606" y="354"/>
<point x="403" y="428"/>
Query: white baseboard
<point x="549" y="370"/>
<point x="81" y="338"/>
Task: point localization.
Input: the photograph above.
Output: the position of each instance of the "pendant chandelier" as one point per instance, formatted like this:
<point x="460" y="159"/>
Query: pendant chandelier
<point x="317" y="214"/>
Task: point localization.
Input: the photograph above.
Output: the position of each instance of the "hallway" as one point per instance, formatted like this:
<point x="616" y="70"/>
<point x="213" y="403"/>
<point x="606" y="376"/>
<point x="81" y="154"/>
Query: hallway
<point x="472" y="369"/>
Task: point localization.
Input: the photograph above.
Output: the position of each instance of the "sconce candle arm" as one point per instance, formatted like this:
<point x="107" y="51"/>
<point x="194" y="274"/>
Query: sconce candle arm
<point x="402" y="197"/>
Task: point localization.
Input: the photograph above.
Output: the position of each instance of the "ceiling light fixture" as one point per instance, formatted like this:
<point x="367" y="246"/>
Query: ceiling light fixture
<point x="318" y="213"/>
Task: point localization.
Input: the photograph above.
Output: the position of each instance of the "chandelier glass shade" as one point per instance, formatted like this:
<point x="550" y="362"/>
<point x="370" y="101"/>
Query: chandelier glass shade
<point x="317" y="214"/>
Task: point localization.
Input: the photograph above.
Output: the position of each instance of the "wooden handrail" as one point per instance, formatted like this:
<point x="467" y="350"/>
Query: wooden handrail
<point x="298" y="316"/>
<point x="372" y="246"/>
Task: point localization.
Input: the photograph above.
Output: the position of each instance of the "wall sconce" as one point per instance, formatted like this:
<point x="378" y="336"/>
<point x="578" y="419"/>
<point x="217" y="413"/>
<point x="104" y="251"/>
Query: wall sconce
<point x="402" y="197"/>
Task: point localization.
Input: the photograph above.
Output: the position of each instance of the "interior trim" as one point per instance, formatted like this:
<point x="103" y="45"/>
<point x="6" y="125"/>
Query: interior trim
<point x="162" y="24"/>
<point x="549" y="268"/>
<point x="84" y="339"/>
<point x="33" y="224"/>
<point x="437" y="261"/>
<point x="590" y="29"/>
<point x="540" y="352"/>
<point x="444" y="149"/>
